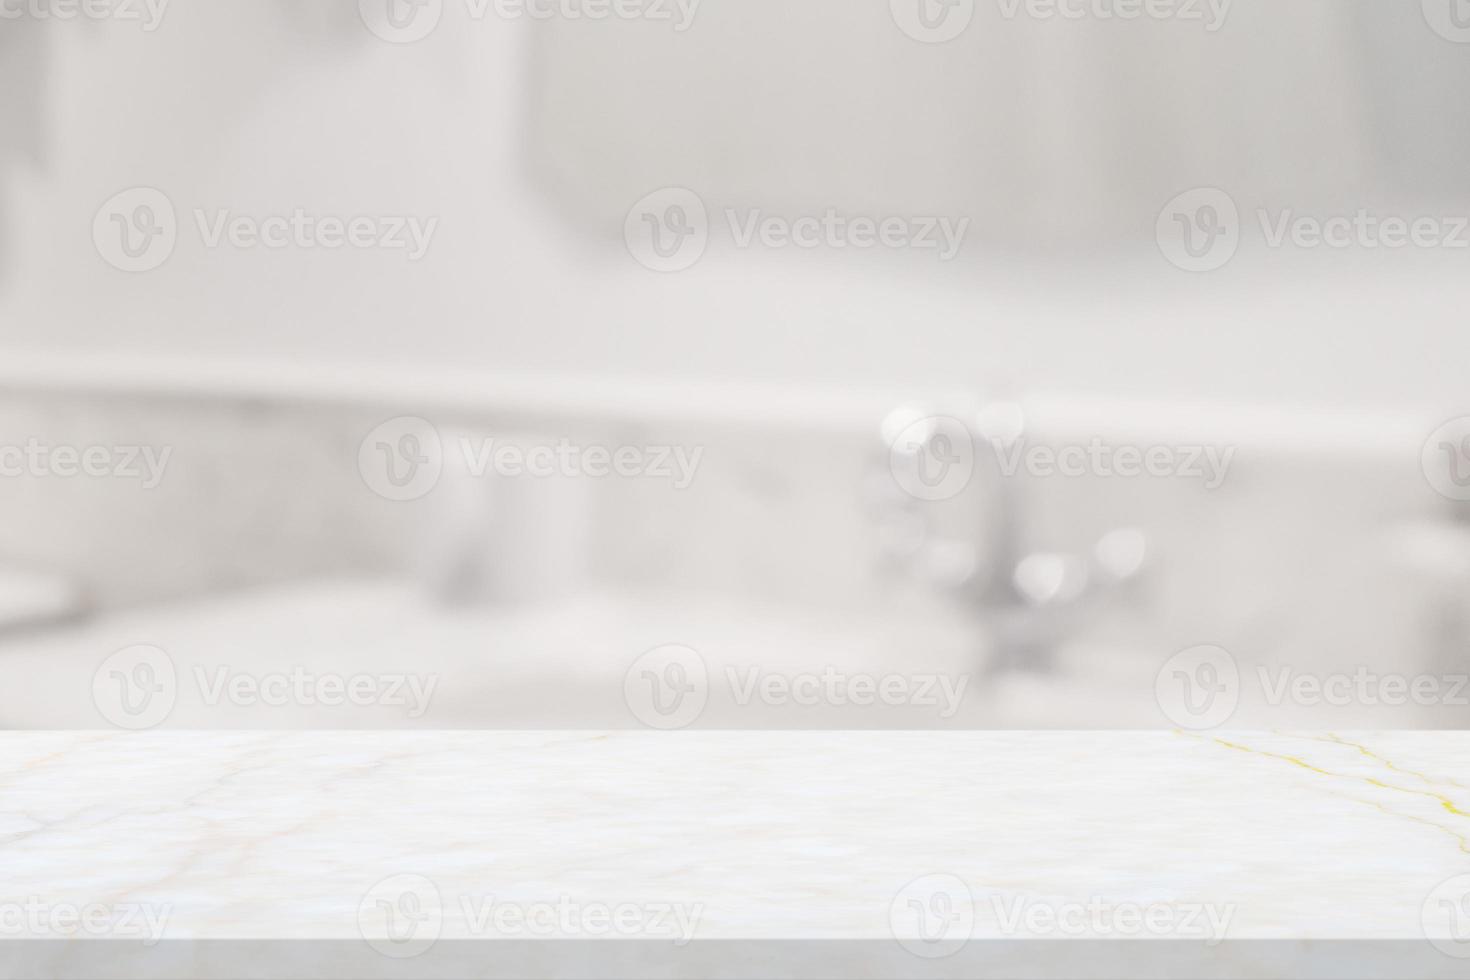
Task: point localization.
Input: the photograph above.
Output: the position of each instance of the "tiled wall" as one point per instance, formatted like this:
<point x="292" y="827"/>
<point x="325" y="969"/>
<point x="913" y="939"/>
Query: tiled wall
<point x="257" y="492"/>
<point x="1291" y="552"/>
<point x="251" y="493"/>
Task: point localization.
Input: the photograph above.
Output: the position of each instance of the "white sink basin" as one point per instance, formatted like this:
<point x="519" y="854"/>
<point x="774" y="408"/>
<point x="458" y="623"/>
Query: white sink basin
<point x="553" y="666"/>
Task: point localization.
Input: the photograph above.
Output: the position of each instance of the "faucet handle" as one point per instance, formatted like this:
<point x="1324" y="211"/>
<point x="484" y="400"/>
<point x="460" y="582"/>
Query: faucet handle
<point x="1050" y="579"/>
<point x="913" y="511"/>
<point x="1121" y="555"/>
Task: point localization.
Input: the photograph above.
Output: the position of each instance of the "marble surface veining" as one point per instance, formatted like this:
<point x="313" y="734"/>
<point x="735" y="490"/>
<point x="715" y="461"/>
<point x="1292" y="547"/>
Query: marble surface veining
<point x="767" y="834"/>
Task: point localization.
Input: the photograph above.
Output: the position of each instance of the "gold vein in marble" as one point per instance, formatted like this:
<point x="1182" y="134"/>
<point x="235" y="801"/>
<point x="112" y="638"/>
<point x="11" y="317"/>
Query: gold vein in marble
<point x="1446" y="802"/>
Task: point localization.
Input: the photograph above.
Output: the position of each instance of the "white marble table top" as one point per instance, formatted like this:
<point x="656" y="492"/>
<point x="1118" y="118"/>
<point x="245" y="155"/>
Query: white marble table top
<point x="735" y="835"/>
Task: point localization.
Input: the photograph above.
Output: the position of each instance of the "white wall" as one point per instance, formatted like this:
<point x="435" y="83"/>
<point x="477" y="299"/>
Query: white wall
<point x="258" y="108"/>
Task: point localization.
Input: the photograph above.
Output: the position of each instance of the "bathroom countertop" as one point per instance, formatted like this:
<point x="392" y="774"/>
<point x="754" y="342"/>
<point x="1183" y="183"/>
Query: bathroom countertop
<point x="851" y="410"/>
<point x="738" y="835"/>
<point x="552" y="666"/>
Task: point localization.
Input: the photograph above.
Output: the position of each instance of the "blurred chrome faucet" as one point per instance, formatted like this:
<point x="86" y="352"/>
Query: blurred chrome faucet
<point x="952" y="468"/>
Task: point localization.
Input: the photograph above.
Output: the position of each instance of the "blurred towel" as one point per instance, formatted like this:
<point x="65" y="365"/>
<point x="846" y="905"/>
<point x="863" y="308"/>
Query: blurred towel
<point x="24" y="60"/>
<point x="28" y="598"/>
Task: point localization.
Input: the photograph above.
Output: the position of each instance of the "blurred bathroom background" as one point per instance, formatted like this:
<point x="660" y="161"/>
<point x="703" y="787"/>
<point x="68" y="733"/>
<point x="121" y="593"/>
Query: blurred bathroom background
<point x="262" y="382"/>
